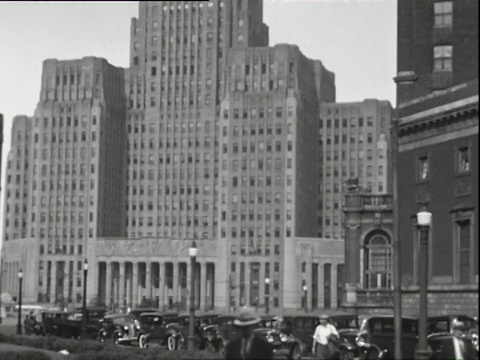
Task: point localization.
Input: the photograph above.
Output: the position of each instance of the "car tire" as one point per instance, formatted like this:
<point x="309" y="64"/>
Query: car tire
<point x="142" y="341"/>
<point x="172" y="343"/>
<point x="372" y="354"/>
<point x="116" y="338"/>
<point x="296" y="352"/>
<point x="346" y="355"/>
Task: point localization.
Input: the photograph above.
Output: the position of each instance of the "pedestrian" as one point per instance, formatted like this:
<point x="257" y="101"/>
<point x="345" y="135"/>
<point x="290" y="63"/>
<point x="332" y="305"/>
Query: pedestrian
<point x="247" y="346"/>
<point x="323" y="338"/>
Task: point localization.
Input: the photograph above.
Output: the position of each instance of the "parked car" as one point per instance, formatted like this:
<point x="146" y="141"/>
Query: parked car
<point x="449" y="346"/>
<point x="49" y="318"/>
<point x="376" y="337"/>
<point x="348" y="326"/>
<point x="269" y="329"/>
<point x="180" y="330"/>
<point x="69" y="325"/>
<point x="446" y="323"/>
<point x="220" y="334"/>
<point x="122" y="329"/>
<point x="138" y="311"/>
<point x="159" y="328"/>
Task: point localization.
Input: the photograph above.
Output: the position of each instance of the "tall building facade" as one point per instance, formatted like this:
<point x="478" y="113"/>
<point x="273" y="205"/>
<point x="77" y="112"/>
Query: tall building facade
<point x="353" y="144"/>
<point x="209" y="135"/>
<point x="174" y="87"/>
<point x="268" y="156"/>
<point x="437" y="159"/>
<point x="66" y="172"/>
<point x="437" y="42"/>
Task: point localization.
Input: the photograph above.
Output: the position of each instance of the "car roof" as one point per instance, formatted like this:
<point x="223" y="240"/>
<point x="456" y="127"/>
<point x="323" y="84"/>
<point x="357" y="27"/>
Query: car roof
<point x="389" y="317"/>
<point x="114" y="316"/>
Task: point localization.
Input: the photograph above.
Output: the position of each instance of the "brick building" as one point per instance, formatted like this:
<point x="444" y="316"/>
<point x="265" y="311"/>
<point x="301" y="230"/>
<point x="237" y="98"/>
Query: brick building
<point x="437" y="163"/>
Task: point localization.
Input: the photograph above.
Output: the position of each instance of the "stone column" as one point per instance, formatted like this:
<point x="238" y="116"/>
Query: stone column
<point x="236" y="291"/>
<point x="247" y="283"/>
<point x="53" y="283"/>
<point x="334" y="285"/>
<point x="135" y="283"/>
<point x="108" y="283"/>
<point x="321" y="283"/>
<point x="148" y="280"/>
<point x="261" y="284"/>
<point x="308" y="274"/>
<point x="121" y="284"/>
<point x="203" y="285"/>
<point x="175" y="281"/>
<point x="161" y="284"/>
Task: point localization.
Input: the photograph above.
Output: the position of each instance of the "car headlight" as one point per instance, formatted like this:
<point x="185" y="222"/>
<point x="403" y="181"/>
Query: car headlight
<point x="360" y="342"/>
<point x="283" y="337"/>
<point x="270" y="339"/>
<point x="125" y="328"/>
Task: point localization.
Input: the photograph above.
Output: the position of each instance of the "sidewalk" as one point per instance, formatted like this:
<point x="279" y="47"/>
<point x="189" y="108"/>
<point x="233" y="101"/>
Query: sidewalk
<point x="10" y="348"/>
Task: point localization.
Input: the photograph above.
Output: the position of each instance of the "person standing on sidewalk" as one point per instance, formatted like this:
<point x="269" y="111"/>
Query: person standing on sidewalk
<point x="247" y="346"/>
<point x="323" y="335"/>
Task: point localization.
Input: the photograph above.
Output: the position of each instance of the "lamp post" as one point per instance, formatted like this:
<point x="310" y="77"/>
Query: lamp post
<point x="267" y="295"/>
<point x="305" y="304"/>
<point x="424" y="220"/>
<point x="403" y="78"/>
<point x="84" y="308"/>
<point x="19" y="322"/>
<point x="192" y="252"/>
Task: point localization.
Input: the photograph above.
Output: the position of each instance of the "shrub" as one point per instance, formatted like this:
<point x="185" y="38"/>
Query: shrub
<point x="24" y="355"/>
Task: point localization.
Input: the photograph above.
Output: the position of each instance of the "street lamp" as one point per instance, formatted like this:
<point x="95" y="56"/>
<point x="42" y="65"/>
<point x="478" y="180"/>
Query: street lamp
<point x="192" y="252"/>
<point x="305" y="291"/>
<point x="19" y="322"/>
<point x="424" y="220"/>
<point x="267" y="295"/>
<point x="84" y="309"/>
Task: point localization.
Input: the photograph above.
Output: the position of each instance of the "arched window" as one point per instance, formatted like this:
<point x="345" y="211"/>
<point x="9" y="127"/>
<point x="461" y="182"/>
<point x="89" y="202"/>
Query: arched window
<point x="378" y="262"/>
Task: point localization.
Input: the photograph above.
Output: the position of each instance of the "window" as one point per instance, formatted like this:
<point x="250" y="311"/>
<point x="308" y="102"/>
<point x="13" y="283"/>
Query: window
<point x="463" y="159"/>
<point x="463" y="248"/>
<point x="377" y="262"/>
<point x="422" y="168"/>
<point x="443" y="12"/>
<point x="442" y="57"/>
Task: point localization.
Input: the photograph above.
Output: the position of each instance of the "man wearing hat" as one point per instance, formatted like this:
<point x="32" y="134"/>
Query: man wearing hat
<point x="247" y="346"/>
<point x="321" y="338"/>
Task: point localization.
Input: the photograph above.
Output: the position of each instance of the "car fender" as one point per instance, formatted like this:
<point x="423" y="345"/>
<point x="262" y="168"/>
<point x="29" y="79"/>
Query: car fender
<point x="385" y="354"/>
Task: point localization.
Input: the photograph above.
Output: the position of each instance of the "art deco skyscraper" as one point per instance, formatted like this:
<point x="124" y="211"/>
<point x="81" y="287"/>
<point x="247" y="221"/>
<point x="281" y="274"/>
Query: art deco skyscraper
<point x="66" y="172"/>
<point x="174" y="86"/>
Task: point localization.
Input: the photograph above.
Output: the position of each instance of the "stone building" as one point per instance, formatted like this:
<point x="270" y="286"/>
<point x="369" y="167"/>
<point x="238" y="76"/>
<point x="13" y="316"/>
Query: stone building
<point x="437" y="162"/>
<point x="438" y="158"/>
<point x="353" y="144"/>
<point x="210" y="135"/>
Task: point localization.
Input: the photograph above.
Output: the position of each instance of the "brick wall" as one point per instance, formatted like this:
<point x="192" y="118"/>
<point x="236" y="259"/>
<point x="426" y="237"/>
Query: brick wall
<point x="442" y="303"/>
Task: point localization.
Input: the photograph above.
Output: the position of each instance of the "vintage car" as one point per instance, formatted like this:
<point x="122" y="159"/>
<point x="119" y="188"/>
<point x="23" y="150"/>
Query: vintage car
<point x="449" y="346"/>
<point x="348" y="326"/>
<point x="69" y="325"/>
<point x="376" y="337"/>
<point x="122" y="329"/>
<point x="159" y="328"/>
<point x="50" y="319"/>
<point x="180" y="329"/>
<point x="462" y="325"/>
<point x="218" y="335"/>
<point x="138" y="311"/>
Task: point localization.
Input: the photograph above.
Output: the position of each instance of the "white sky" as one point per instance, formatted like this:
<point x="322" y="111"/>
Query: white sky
<point x="354" y="39"/>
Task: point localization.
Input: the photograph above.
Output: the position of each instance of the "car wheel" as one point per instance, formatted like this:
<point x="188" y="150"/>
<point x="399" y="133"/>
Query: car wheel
<point x="296" y="353"/>
<point x="101" y="337"/>
<point x="171" y="343"/>
<point x="142" y="341"/>
<point x="346" y="355"/>
<point x="116" y="338"/>
<point x="373" y="354"/>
